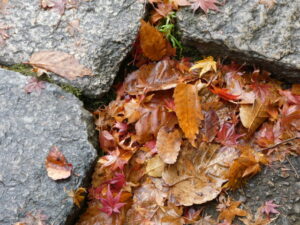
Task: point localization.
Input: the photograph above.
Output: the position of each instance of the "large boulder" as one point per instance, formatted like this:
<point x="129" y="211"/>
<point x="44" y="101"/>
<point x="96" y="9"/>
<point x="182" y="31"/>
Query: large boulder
<point x="246" y="30"/>
<point x="30" y="124"/>
<point x="98" y="33"/>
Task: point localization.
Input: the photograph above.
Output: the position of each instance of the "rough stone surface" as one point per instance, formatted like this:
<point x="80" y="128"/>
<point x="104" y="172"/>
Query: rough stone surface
<point x="279" y="182"/>
<point x="30" y="124"/>
<point x="248" y="31"/>
<point x="106" y="32"/>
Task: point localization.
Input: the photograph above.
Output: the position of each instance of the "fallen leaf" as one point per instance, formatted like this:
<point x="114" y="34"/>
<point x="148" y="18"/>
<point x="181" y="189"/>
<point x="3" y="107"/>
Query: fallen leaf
<point x="188" y="109"/>
<point x="211" y="125"/>
<point x="270" y="207"/>
<point x="230" y="212"/>
<point x="252" y="116"/>
<point x="153" y="43"/>
<point x="206" y="65"/>
<point x="168" y="144"/>
<point x="111" y="204"/>
<point x="155" y="166"/>
<point x="78" y="196"/>
<point x="57" y="166"/>
<point x="205" y="5"/>
<point x="60" y="63"/>
<point x="224" y="93"/>
<point x="197" y="176"/>
<point x="295" y="89"/>
<point x="227" y="135"/>
<point x="34" y="85"/>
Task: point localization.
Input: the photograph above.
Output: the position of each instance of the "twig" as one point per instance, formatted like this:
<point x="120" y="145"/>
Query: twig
<point x="280" y="143"/>
<point x="297" y="175"/>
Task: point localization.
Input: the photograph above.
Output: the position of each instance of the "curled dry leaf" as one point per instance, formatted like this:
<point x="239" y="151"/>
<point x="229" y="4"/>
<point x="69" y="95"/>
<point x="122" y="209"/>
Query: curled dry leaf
<point x="206" y="65"/>
<point x="60" y="63"/>
<point x="188" y="109"/>
<point x="168" y="144"/>
<point x="57" y="166"/>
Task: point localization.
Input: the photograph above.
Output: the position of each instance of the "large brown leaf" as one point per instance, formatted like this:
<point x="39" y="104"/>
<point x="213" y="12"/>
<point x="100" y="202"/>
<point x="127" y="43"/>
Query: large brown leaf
<point x="153" y="43"/>
<point x="155" y="76"/>
<point x="60" y="63"/>
<point x="188" y="109"/>
<point x="197" y="176"/>
<point x="168" y="144"/>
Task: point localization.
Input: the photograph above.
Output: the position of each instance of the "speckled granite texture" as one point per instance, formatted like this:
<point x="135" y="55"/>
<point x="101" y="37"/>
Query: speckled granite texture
<point x="248" y="31"/>
<point x="29" y="125"/>
<point x="106" y="32"/>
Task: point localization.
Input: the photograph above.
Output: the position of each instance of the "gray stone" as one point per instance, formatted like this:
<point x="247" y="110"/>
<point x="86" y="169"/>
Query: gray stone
<point x="106" y="32"/>
<point x="245" y="30"/>
<point x="30" y="124"/>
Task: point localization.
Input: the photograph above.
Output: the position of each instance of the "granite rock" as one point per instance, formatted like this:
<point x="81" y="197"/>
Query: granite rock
<point x="98" y="33"/>
<point x="247" y="31"/>
<point x="30" y="124"/>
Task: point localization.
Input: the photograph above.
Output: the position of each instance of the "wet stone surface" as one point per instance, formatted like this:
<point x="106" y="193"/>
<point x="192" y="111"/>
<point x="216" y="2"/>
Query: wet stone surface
<point x="98" y="33"/>
<point x="248" y="32"/>
<point x="30" y="124"/>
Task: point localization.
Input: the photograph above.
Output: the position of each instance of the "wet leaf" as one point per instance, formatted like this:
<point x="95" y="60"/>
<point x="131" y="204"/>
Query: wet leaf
<point x="57" y="166"/>
<point x="168" y="144"/>
<point x="60" y="63"/>
<point x="188" y="109"/>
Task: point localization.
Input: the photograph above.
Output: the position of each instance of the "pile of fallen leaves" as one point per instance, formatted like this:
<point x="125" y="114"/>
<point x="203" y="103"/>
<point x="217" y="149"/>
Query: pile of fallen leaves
<point x="180" y="133"/>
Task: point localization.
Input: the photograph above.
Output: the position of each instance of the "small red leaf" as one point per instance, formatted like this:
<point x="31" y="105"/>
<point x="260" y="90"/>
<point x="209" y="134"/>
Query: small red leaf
<point x="227" y="135"/>
<point x="111" y="204"/>
<point x="224" y="93"/>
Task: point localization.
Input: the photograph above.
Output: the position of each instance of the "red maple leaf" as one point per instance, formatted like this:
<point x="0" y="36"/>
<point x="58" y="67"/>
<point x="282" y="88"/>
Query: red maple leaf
<point x="227" y="135"/>
<point x="117" y="182"/>
<point x="261" y="90"/>
<point x="224" y="93"/>
<point x="270" y="207"/>
<point x="205" y="5"/>
<point x="111" y="204"/>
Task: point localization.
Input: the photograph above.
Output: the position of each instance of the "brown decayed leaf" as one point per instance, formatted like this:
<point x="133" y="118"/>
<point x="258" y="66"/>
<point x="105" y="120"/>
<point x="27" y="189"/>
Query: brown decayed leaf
<point x="196" y="177"/>
<point x="252" y="116"/>
<point x="155" y="166"/>
<point x="188" y="109"/>
<point x="155" y="76"/>
<point x="168" y="144"/>
<point x="57" y="166"/>
<point x="153" y="43"/>
<point x="211" y="125"/>
<point x="60" y="63"/>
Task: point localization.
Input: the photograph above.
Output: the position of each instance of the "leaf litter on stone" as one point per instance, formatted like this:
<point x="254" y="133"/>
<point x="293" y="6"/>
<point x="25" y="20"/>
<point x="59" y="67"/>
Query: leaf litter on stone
<point x="57" y="166"/>
<point x="60" y="63"/>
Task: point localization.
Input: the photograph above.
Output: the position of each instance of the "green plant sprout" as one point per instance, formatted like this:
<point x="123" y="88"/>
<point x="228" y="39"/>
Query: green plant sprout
<point x="168" y="29"/>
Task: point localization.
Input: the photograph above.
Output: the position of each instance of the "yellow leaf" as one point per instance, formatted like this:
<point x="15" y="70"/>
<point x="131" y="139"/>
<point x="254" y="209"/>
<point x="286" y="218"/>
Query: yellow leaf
<point x="207" y="64"/>
<point x="168" y="145"/>
<point x="61" y="63"/>
<point x="188" y="109"/>
<point x="77" y="196"/>
<point x="155" y="166"/>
